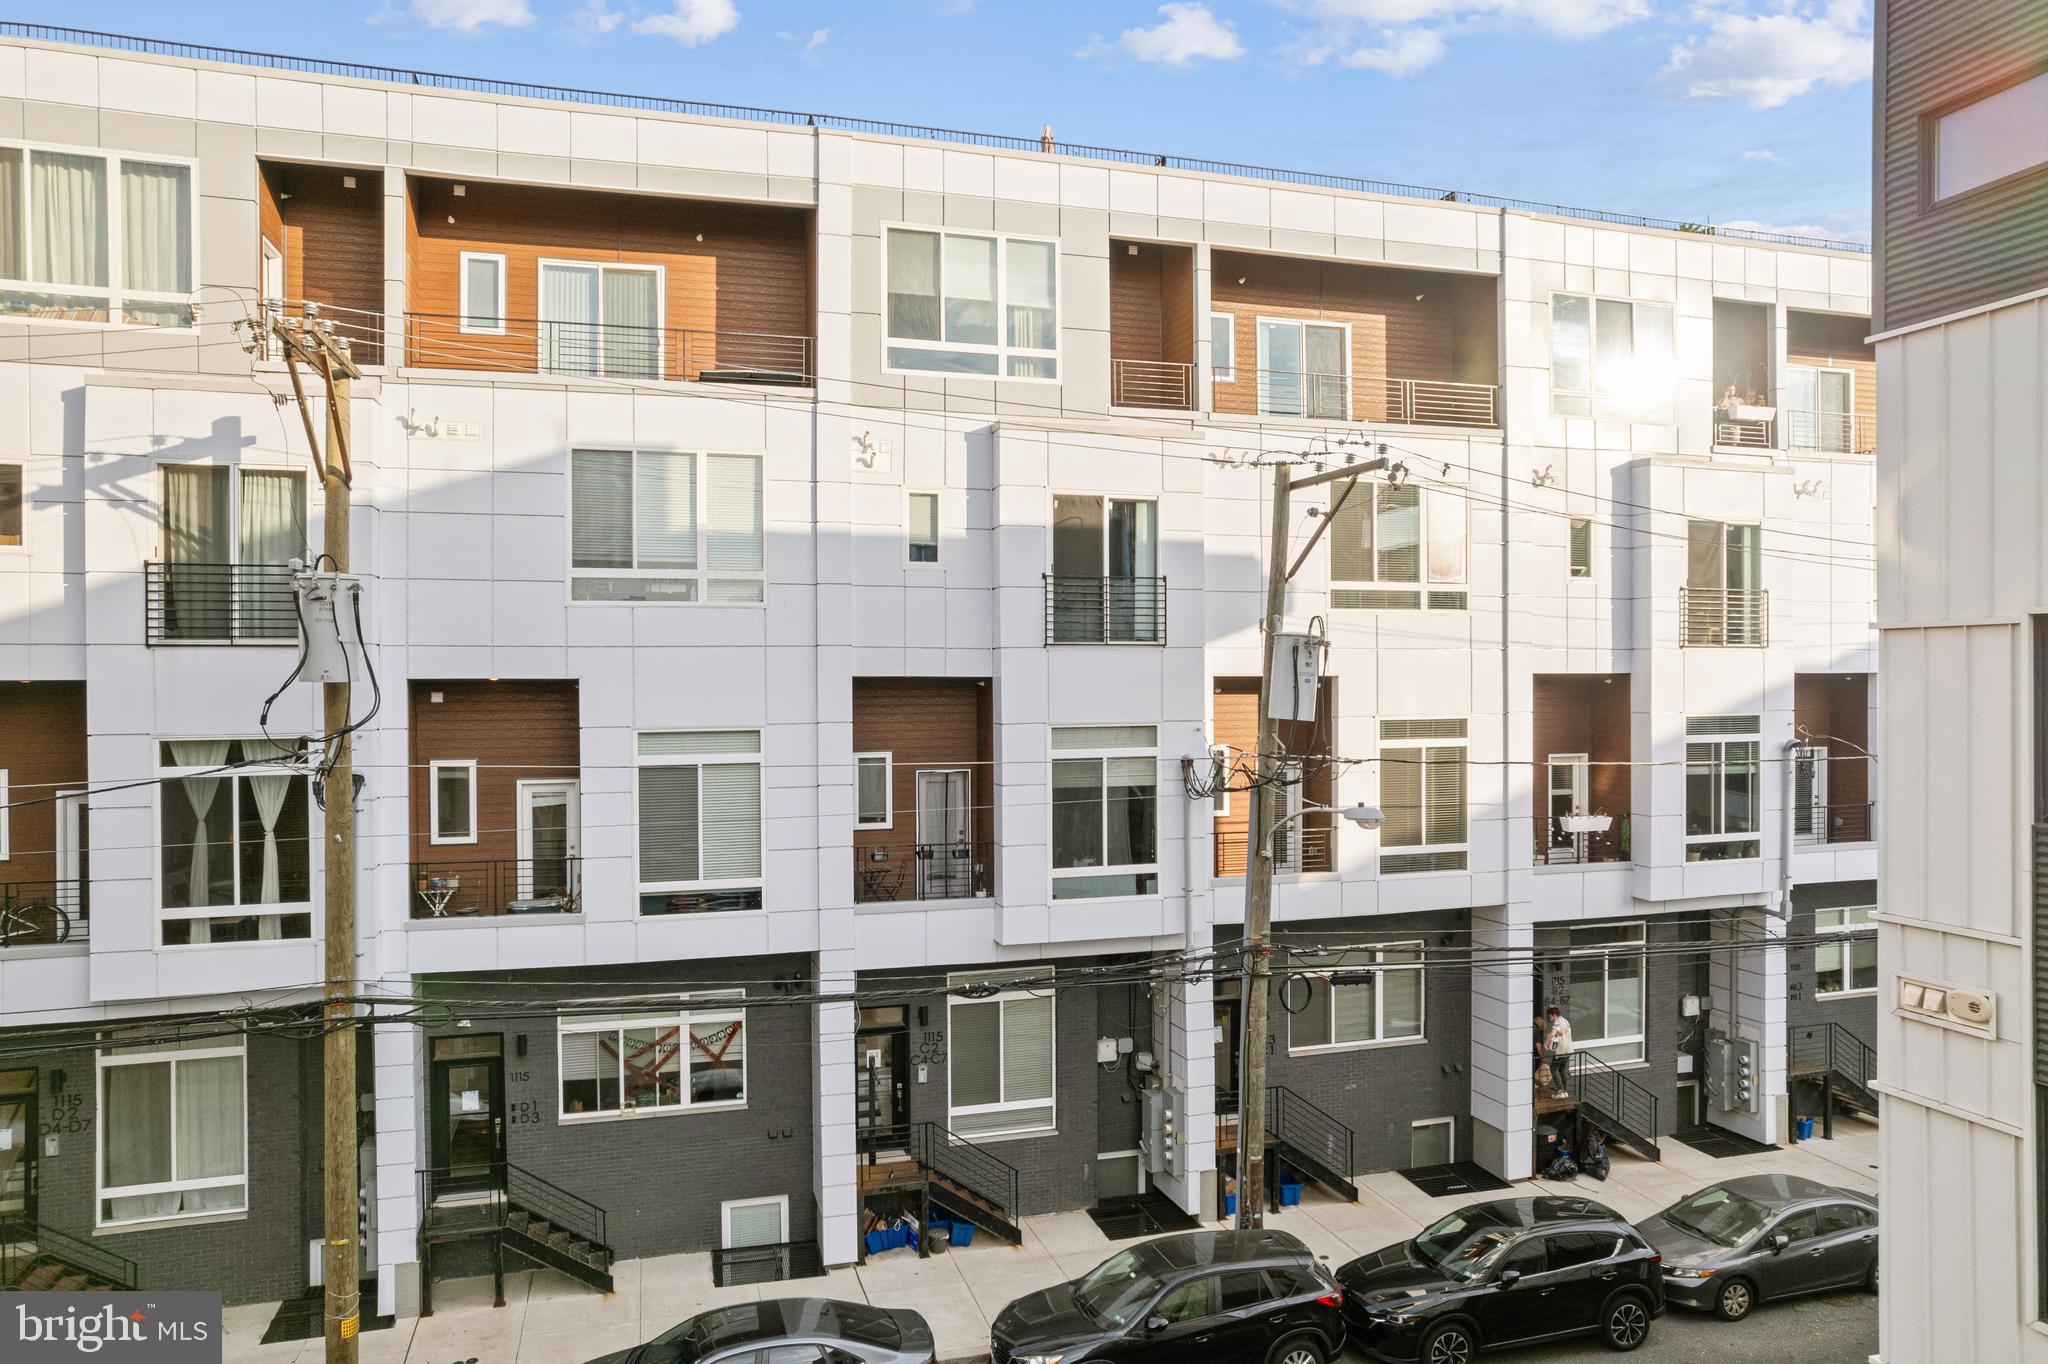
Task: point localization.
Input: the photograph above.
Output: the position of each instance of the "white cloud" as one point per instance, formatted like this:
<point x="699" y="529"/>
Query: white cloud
<point x="468" y="16"/>
<point x="691" y="22"/>
<point x="1188" y="33"/>
<point x="592" y="18"/>
<point x="1565" y="18"/>
<point x="1839" y="234"/>
<point x="1764" y="154"/>
<point x="1766" y="59"/>
<point x="808" y="44"/>
<point x="819" y="37"/>
<point x="1403" y="53"/>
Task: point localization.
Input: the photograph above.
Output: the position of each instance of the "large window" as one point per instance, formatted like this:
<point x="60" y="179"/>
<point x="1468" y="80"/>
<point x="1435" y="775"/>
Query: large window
<point x="1422" y="792"/>
<point x="1365" y="996"/>
<point x="235" y="862"/>
<point x="973" y="304"/>
<point x="1105" y="584"/>
<point x="1105" y="811"/>
<point x="88" y="237"/>
<point x="1607" y="991"/>
<point x="229" y="535"/>
<point x="661" y="1060"/>
<point x="700" y="821"/>
<point x="13" y="503"/>
<point x="1847" y="965"/>
<point x="1397" y="548"/>
<point x="1985" y="141"/>
<point x="1725" y="603"/>
<point x="1611" y="358"/>
<point x="1722" y="787"/>
<point x="601" y="319"/>
<point x="173" y="1132"/>
<point x="1304" y="369"/>
<point x="663" y="526"/>
<point x="1000" y="1058"/>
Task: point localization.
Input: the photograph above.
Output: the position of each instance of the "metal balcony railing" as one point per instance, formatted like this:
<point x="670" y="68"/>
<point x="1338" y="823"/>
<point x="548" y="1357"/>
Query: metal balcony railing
<point x="1557" y="846"/>
<point x="1431" y="402"/>
<point x="606" y="350"/>
<point x="1743" y="433"/>
<point x="923" y="871"/>
<point x="510" y="885"/>
<point x="44" y="913"/>
<point x="1104" y="610"/>
<point x="1371" y="397"/>
<point x="1295" y="850"/>
<point x="1152" y="383"/>
<point x="1818" y="825"/>
<point x="187" y="603"/>
<point x="1839" y="433"/>
<point x="1297" y="393"/>
<point x="1725" y="616"/>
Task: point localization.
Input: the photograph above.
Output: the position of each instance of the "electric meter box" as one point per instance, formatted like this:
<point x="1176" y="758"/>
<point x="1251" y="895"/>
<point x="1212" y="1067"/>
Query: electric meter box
<point x="1297" y="673"/>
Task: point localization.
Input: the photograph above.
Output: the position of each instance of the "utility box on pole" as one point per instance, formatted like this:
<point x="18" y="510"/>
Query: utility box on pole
<point x="1296" y="677"/>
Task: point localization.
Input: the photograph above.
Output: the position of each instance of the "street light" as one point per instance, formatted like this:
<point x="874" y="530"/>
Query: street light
<point x="1363" y="815"/>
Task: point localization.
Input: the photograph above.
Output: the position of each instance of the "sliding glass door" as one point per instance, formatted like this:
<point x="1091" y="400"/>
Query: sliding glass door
<point x="600" y="320"/>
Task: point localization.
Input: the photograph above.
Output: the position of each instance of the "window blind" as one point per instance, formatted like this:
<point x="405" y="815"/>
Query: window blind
<point x="1351" y="534"/>
<point x="1707" y="725"/>
<point x="664" y="498"/>
<point x="871" y="783"/>
<point x="1027" y="1049"/>
<point x="1421" y="729"/>
<point x="753" y="1224"/>
<point x="1444" y="795"/>
<point x="601" y="515"/>
<point x="1446" y="536"/>
<point x="11" y="265"/>
<point x="1352" y="1011"/>
<point x="1582" y="548"/>
<point x="976" y="1054"/>
<point x="1401" y="797"/>
<point x="733" y="525"/>
<point x="1398" y="530"/>
<point x="914" y="286"/>
<point x="924" y="519"/>
<point x="731" y="834"/>
<point x="684" y="743"/>
<point x="668" y="824"/>
<point x="1075" y="737"/>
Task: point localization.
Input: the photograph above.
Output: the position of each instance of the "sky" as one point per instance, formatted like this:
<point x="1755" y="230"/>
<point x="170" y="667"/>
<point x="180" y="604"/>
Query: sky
<point x="1738" y="112"/>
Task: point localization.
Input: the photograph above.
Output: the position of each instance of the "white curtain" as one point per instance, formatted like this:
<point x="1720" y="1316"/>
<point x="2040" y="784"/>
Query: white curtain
<point x="209" y="1118"/>
<point x="135" y="1139"/>
<point x="632" y="326"/>
<point x="11" y="266"/>
<point x="156" y="227"/>
<point x="568" y="319"/>
<point x="69" y="220"/>
<point x="200" y="791"/>
<point x="270" y="791"/>
<point x="272" y="533"/>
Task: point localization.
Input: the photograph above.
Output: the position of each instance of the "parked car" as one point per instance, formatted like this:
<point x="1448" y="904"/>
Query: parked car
<point x="788" y="1331"/>
<point x="1255" y="1296"/>
<point x="1731" y="1246"/>
<point x="1510" y="1272"/>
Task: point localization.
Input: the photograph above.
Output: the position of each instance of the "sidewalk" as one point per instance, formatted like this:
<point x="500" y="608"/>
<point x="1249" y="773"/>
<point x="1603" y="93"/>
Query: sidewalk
<point x="549" y="1319"/>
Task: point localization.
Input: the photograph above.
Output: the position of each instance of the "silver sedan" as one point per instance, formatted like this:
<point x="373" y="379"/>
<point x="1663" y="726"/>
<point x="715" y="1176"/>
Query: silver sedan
<point x="788" y="1331"/>
<point x="1750" y="1240"/>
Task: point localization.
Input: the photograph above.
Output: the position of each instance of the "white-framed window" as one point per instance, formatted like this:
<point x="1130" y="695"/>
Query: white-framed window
<point x="1422" y="792"/>
<point x="873" y="791"/>
<point x="684" y="1055"/>
<point x="1606" y="1006"/>
<point x="1820" y="408"/>
<point x="1847" y="966"/>
<point x="1397" y="547"/>
<point x="1358" y="998"/>
<point x="228" y="534"/>
<point x="1105" y="585"/>
<point x="451" y="801"/>
<point x="482" y="289"/>
<point x="235" y="861"/>
<point x="1223" y="347"/>
<point x="747" y="1222"/>
<point x="921" y="529"/>
<point x="1987" y="140"/>
<point x="1105" y="811"/>
<point x="1723" y="787"/>
<point x="971" y="304"/>
<point x="1304" y="368"/>
<point x="1581" y="547"/>
<point x="1611" y="357"/>
<point x="13" y="505"/>
<point x="92" y="236"/>
<point x="999" y="1061"/>
<point x="700" y="820"/>
<point x="666" y="526"/>
<point x="173" y="1138"/>
<point x="601" y="319"/>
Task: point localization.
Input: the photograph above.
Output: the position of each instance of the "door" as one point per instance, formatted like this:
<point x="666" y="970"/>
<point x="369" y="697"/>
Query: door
<point x="945" y="848"/>
<point x="198" y="547"/>
<point x="1432" y="1143"/>
<point x="469" y="1123"/>
<point x="1848" y="1243"/>
<point x="18" y="1144"/>
<point x="1802" y="1265"/>
<point x="1582" y="1274"/>
<point x="1810" y="794"/>
<point x="1519" y="1310"/>
<point x="1186" y="1324"/>
<point x="74" y="877"/>
<point x="1567" y="797"/>
<point x="1247" y="1316"/>
<point x="881" y="1092"/>
<point x="1226" y="1055"/>
<point x="1132" y="547"/>
<point x="1821" y="404"/>
<point x="547" y="845"/>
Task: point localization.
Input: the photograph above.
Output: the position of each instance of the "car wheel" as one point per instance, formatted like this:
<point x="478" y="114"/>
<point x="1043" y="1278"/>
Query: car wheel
<point x="1296" y="1350"/>
<point x="1449" y="1344"/>
<point x="1734" y="1300"/>
<point x="1627" y="1321"/>
<point x="1870" y="1279"/>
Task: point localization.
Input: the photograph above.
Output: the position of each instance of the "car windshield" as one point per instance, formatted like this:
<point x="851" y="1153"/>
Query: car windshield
<point x="1464" y="1243"/>
<point x="1718" y="1215"/>
<point x="1116" y="1290"/>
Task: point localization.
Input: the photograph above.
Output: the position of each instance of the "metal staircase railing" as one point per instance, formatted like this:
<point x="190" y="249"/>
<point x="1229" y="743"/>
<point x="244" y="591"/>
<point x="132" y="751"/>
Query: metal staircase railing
<point x="968" y="1167"/>
<point x="458" y="1204"/>
<point x="1312" y="1137"/>
<point x="1631" y="1112"/>
<point x="23" y="1242"/>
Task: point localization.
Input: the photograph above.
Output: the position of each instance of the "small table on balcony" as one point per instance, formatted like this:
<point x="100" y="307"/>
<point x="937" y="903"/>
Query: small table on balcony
<point x="437" y="891"/>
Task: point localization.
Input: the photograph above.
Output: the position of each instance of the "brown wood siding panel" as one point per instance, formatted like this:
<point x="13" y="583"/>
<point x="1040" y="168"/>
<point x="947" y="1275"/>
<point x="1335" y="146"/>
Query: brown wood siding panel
<point x="926" y="723"/>
<point x="42" y="749"/>
<point x="514" y="731"/>
<point x="1983" y="246"/>
<point x="1234" y="720"/>
<point x="1177" y="304"/>
<point x="269" y="215"/>
<point x="1137" y="305"/>
<point x="1836" y="343"/>
<point x="1834" y="708"/>
<point x="334" y="246"/>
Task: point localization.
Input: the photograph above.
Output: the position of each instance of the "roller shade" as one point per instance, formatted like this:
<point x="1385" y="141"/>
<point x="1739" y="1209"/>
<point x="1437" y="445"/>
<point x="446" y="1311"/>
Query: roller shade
<point x="753" y="1224"/>
<point x="976" y="1055"/>
<point x="665" y="511"/>
<point x="601" y="498"/>
<point x="1027" y="1049"/>
<point x="731" y="833"/>
<point x="733" y="529"/>
<point x="669" y="846"/>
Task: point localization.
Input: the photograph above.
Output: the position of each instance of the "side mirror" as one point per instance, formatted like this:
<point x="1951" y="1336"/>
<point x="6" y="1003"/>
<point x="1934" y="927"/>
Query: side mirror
<point x="1779" y="1240"/>
<point x="1509" y="1278"/>
<point x="1156" y="1324"/>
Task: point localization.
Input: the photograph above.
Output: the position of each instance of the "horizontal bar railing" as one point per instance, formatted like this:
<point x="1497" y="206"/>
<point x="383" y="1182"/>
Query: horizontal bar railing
<point x="1151" y="383"/>
<point x="1295" y="850"/>
<point x="188" y="603"/>
<point x="45" y="913"/>
<point x="606" y="350"/>
<point x="1298" y="393"/>
<point x="1558" y="846"/>
<point x="954" y="1158"/>
<point x="575" y="1215"/>
<point x="1837" y="433"/>
<point x="1725" y="616"/>
<point x="922" y="871"/>
<point x="361" y="328"/>
<point x="1309" y="1130"/>
<point x="1819" y="825"/>
<point x="1104" y="610"/>
<point x="23" y="1241"/>
<point x="1832" y="1047"/>
<point x="1744" y="433"/>
<point x="1595" y="1082"/>
<point x="1431" y="402"/>
<point x="508" y="885"/>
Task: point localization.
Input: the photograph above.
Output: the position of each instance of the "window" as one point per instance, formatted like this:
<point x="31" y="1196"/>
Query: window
<point x="13" y="502"/>
<point x="1722" y="791"/>
<point x="1422" y="791"/>
<point x="1985" y="141"/>
<point x="235" y="862"/>
<point x="1847" y="966"/>
<point x="1606" y="1003"/>
<point x="1304" y="369"/>
<point x="692" y="1054"/>
<point x="88" y="237"/>
<point x="1724" y="598"/>
<point x="1569" y="1249"/>
<point x="1836" y="1218"/>
<point x="921" y="529"/>
<point x="978" y="304"/>
<point x="1000" y="1065"/>
<point x="451" y="797"/>
<point x="1611" y="358"/>
<point x="483" y="293"/>
<point x="1105" y="811"/>
<point x="1185" y="1302"/>
<point x="753" y="1222"/>
<point x="173" y="1138"/>
<point x="1388" y="543"/>
<point x="1365" y="996"/>
<point x="1820" y="408"/>
<point x="1105" y="565"/>
<point x="601" y="320"/>
<point x="1223" y="347"/>
<point x="874" y="796"/>
<point x="1582" y="547"/>
<point x="1799" y="1226"/>
<point x="229" y="535"/>
<point x="635" y="518"/>
<point x="1242" y="1290"/>
<point x="700" y="821"/>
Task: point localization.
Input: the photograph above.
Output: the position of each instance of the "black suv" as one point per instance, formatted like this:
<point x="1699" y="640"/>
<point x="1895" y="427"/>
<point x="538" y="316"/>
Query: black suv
<point x="1512" y="1272"/>
<point x="1255" y="1296"/>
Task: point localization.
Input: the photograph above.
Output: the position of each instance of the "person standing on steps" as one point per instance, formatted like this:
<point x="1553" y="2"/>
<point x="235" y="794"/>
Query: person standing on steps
<point x="1560" y="1051"/>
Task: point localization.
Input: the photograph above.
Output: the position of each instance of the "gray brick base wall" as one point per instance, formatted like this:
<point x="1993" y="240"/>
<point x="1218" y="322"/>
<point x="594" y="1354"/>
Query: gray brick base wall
<point x="1802" y="1008"/>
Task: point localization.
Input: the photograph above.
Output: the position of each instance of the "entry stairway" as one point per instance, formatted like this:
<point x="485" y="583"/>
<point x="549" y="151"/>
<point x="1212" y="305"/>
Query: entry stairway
<point x="512" y="1210"/>
<point x="38" y="1259"/>
<point x="1603" y="1097"/>
<point x="953" y="1178"/>
<point x="1300" y="1136"/>
<point x="1843" y="1064"/>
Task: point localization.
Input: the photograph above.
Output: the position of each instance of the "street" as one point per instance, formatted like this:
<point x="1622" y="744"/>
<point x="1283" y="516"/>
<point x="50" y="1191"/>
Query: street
<point x="1836" y="1328"/>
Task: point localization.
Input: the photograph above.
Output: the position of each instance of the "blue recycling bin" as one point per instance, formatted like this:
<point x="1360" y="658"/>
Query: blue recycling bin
<point x="1230" y="1205"/>
<point x="1805" y="1129"/>
<point x="963" y="1233"/>
<point x="1290" y="1191"/>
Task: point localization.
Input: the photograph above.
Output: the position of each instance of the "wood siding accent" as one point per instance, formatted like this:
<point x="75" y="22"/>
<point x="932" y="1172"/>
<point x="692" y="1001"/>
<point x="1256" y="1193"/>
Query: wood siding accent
<point x="1589" y="715"/>
<point x="514" y="731"/>
<point x="1831" y="342"/>
<point x="1837" y="705"/>
<point x="333" y="240"/>
<point x="926" y="723"/>
<point x="1177" y="305"/>
<point x="1234" y="720"/>
<point x="1151" y="302"/>
<point x="42" y="749"/>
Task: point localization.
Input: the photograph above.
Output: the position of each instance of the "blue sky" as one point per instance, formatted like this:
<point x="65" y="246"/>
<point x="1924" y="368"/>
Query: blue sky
<point x="1749" y="112"/>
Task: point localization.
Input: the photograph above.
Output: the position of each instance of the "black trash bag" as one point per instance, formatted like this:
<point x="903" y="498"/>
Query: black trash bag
<point x="1594" y="1162"/>
<point x="1564" y="1167"/>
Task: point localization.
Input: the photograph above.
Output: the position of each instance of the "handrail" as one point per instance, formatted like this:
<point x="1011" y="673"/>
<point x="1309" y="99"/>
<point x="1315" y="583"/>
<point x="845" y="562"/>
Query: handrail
<point x="1731" y="617"/>
<point x="1818" y="825"/>
<point x="22" y="1241"/>
<point x="1557" y="847"/>
<point x="958" y="870"/>
<point x="1297" y="848"/>
<point x="44" y="913"/>
<point x="611" y="350"/>
<point x="504" y="885"/>
<point x="1832" y="1047"/>
<point x="1631" y="1105"/>
<point x="193" y="603"/>
<point x="953" y="1157"/>
<point x="1308" y="1129"/>
<point x="1833" y="433"/>
<point x="1104" y="610"/>
<point x="1152" y="383"/>
<point x="508" y="1184"/>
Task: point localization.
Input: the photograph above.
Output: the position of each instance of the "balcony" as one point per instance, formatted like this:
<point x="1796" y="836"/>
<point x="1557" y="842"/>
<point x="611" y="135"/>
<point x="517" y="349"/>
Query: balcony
<point x="1373" y="398"/>
<point x="1164" y="384"/>
<point x="188" y="603"/>
<point x="1104" y="610"/>
<point x="885" y="873"/>
<point x="1571" y="841"/>
<point x="44" y="913"/>
<point x="1582" y="733"/>
<point x="606" y="350"/>
<point x="1724" y="617"/>
<point x="1835" y="433"/>
<point x="1296" y="849"/>
<point x="545" y="885"/>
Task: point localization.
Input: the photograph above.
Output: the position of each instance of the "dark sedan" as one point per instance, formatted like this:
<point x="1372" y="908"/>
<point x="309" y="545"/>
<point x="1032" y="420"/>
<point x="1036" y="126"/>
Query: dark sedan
<point x="788" y="1331"/>
<point x="1729" y="1247"/>
<point x="1511" y="1272"/>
